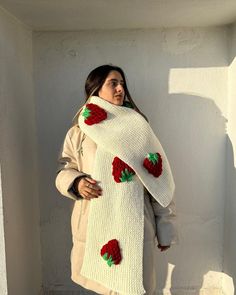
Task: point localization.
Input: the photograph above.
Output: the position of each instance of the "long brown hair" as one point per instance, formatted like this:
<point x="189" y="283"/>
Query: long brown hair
<point x="96" y="79"/>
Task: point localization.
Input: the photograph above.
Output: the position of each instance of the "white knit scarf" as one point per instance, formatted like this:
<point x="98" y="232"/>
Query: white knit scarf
<point x="119" y="212"/>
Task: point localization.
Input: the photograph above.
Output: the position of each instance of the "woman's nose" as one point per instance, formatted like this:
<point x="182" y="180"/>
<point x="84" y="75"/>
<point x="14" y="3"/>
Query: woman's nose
<point x="120" y="88"/>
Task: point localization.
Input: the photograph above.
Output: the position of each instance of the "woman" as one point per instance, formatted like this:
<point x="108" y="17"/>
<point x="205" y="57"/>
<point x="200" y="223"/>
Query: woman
<point x="111" y="205"/>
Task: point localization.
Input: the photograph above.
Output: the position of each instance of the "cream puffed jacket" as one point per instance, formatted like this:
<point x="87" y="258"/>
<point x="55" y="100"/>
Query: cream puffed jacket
<point x="76" y="159"/>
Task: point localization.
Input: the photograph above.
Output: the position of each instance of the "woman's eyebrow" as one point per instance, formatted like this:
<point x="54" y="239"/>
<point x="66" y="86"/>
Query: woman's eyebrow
<point x="116" y="80"/>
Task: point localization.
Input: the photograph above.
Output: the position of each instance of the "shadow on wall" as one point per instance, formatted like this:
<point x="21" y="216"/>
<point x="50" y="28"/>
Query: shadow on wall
<point x="197" y="262"/>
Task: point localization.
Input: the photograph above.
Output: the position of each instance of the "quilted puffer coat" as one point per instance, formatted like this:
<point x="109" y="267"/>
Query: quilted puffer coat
<point x="76" y="159"/>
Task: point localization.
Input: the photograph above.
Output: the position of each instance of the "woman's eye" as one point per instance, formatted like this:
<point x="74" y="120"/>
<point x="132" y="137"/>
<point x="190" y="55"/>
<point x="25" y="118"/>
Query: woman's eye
<point x="113" y="84"/>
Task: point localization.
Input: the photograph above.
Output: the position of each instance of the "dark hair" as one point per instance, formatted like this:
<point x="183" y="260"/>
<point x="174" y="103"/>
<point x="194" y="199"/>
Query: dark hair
<point x="96" y="79"/>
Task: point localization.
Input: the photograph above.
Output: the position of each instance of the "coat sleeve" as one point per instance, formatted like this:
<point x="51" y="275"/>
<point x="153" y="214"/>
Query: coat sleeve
<point x="67" y="171"/>
<point x="166" y="222"/>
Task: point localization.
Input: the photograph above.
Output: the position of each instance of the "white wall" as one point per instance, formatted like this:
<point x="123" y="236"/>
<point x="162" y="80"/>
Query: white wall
<point x="179" y="79"/>
<point x="3" y="274"/>
<point x="18" y="161"/>
<point x="230" y="216"/>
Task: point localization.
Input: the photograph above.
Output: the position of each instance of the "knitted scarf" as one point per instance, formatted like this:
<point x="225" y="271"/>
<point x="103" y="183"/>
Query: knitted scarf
<point x="128" y="157"/>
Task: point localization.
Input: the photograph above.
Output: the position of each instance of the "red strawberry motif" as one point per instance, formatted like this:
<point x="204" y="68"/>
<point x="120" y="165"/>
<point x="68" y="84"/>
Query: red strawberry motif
<point x="111" y="252"/>
<point x="93" y="114"/>
<point x="153" y="164"/>
<point x="121" y="171"/>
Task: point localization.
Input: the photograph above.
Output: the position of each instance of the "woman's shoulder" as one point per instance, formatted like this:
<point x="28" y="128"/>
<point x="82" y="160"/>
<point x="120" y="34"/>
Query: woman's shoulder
<point x="74" y="133"/>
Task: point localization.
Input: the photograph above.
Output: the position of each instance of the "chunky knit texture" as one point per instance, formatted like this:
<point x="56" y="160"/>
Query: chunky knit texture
<point x="124" y="134"/>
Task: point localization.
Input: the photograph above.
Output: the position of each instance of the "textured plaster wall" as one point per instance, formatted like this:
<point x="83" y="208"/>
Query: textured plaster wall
<point x="178" y="77"/>
<point x="18" y="154"/>
<point x="3" y="275"/>
<point x="230" y="208"/>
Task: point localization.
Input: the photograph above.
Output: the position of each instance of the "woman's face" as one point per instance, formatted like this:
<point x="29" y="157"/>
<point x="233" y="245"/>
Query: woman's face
<point x="113" y="88"/>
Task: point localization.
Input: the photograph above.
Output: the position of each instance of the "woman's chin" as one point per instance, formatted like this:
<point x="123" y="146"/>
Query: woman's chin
<point x="118" y="101"/>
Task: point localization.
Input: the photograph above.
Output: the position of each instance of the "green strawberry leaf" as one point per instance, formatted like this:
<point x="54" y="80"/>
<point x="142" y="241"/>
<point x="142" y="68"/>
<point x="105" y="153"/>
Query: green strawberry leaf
<point x="126" y="175"/>
<point x="129" y="176"/>
<point x="110" y="261"/>
<point x="105" y="256"/>
<point x="153" y="157"/>
<point x="86" y="113"/>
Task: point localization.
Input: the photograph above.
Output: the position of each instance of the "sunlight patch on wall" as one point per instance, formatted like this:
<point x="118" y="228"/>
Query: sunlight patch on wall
<point x="203" y="82"/>
<point x="214" y="279"/>
<point x="170" y="270"/>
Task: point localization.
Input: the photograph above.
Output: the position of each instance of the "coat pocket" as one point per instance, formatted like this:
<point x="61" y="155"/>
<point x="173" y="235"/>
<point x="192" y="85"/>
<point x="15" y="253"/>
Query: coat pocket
<point x="79" y="220"/>
<point x="75" y="218"/>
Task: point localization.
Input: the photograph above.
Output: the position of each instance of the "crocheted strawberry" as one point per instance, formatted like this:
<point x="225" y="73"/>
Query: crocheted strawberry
<point x="93" y="114"/>
<point x="153" y="164"/>
<point x="111" y="252"/>
<point x="121" y="171"/>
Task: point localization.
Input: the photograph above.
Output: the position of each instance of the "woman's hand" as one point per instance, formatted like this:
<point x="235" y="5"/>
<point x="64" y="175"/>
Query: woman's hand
<point x="163" y="248"/>
<point x="88" y="188"/>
